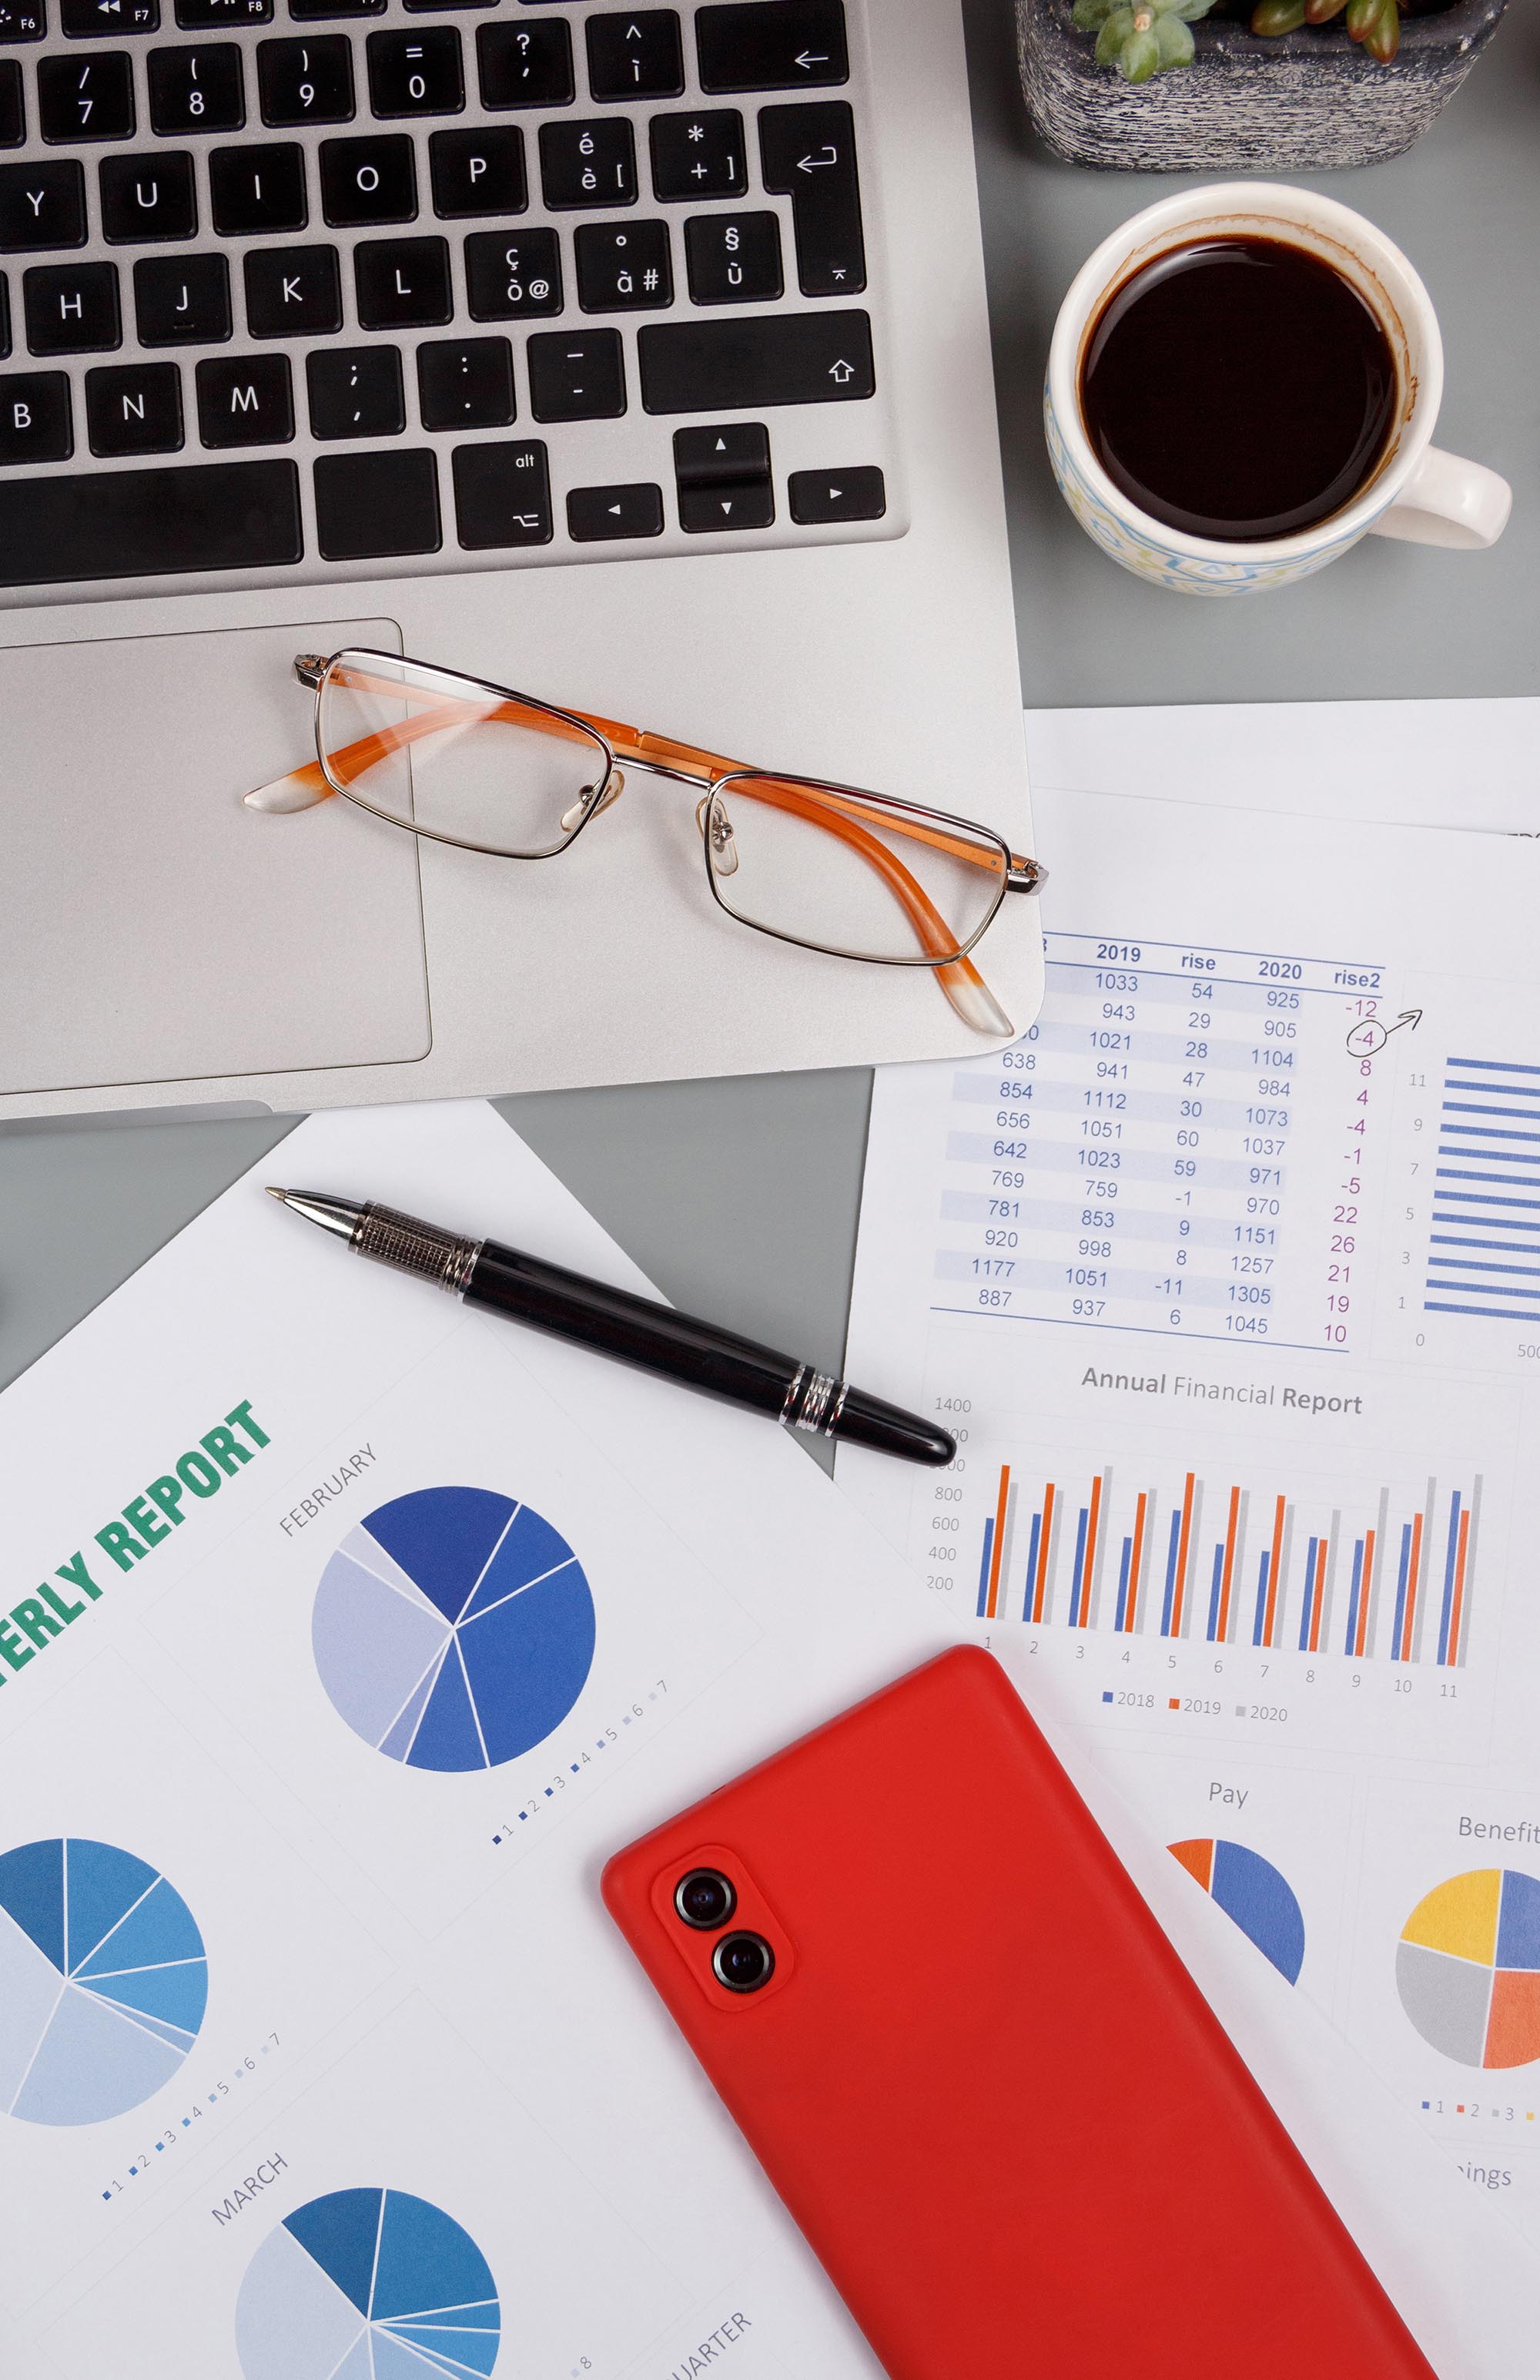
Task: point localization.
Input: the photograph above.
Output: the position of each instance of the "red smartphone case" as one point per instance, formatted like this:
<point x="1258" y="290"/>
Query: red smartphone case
<point x="985" y="2085"/>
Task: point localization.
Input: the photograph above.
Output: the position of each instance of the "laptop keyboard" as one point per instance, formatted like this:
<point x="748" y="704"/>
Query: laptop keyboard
<point x="290" y="286"/>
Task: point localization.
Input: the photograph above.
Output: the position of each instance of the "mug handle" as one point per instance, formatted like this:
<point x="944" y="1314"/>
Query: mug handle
<point x="1448" y="502"/>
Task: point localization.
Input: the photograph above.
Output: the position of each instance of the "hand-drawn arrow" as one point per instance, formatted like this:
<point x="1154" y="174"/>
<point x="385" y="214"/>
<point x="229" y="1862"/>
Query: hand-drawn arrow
<point x="1371" y="1036"/>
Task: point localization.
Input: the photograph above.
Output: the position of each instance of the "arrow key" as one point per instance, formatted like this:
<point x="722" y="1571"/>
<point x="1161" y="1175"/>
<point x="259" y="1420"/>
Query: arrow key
<point x="598" y="513"/>
<point x="854" y="495"/>
<point x="730" y="504"/>
<point x="720" y="452"/>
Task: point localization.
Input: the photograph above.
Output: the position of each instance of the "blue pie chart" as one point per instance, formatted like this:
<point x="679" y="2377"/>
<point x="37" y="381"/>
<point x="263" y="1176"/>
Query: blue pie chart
<point x="367" y="2285"/>
<point x="454" y="1629"/>
<point x="102" y="1981"/>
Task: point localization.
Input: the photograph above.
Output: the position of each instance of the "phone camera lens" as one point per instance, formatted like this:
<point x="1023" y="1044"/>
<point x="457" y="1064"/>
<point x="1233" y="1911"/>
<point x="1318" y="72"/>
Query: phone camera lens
<point x="705" y="1900"/>
<point x="745" y="1962"/>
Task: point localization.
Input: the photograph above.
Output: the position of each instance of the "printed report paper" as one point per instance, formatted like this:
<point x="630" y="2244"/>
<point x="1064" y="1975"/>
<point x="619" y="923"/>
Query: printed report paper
<point x="349" y="1631"/>
<point x="1228" y="1275"/>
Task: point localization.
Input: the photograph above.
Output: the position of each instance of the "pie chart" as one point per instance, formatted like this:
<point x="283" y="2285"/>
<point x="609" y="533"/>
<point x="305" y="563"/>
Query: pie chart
<point x="102" y="1981"/>
<point x="454" y="1629"/>
<point x="367" y="2285"/>
<point x="1252" y="1891"/>
<point x="1468" y="1967"/>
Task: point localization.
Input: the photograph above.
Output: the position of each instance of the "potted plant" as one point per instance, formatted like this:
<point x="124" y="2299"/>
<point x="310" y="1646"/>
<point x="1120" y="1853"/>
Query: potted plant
<point x="1259" y="86"/>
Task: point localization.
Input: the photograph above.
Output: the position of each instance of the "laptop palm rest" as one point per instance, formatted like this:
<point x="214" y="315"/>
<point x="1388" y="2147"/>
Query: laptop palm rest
<point x="151" y="928"/>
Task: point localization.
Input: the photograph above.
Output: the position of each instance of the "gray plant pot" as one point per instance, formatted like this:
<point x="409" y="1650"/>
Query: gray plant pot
<point x="1300" y="103"/>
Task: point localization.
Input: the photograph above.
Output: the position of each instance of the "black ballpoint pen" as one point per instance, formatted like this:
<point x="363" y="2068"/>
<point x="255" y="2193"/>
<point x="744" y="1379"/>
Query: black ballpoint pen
<point x="633" y="1329"/>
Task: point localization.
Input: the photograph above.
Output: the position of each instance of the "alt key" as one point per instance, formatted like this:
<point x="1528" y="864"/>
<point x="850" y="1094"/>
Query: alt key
<point x="857" y="495"/>
<point x="632" y="511"/>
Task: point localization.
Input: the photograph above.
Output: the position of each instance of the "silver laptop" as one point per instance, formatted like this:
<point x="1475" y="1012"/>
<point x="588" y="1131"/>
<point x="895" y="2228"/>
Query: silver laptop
<point x="635" y="360"/>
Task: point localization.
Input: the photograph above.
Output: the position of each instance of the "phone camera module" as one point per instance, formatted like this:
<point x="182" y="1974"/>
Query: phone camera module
<point x="705" y="1900"/>
<point x="745" y="1962"/>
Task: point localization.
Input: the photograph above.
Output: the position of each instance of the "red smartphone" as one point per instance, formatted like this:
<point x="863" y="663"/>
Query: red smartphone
<point x="988" y="2092"/>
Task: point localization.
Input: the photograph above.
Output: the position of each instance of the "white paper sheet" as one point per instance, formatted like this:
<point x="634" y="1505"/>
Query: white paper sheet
<point x="426" y="2067"/>
<point x="1467" y="763"/>
<point x="1228" y="1278"/>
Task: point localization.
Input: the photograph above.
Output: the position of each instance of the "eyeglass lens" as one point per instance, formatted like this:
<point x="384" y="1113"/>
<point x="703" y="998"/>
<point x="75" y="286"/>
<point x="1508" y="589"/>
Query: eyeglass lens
<point x="435" y="751"/>
<point x="846" y="872"/>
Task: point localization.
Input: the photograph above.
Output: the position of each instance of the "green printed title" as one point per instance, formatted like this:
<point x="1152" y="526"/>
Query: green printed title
<point x="145" y="1522"/>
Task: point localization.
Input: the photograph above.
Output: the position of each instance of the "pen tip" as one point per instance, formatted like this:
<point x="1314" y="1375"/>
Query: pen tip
<point x="274" y="1193"/>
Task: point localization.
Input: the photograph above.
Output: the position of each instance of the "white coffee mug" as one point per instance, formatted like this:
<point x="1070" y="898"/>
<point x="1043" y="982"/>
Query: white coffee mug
<point x="1416" y="491"/>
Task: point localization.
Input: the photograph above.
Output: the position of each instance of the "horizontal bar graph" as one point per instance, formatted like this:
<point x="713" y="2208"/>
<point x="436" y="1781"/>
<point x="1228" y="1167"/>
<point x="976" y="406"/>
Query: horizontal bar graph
<point x="1484" y="1246"/>
<point x="1229" y="1564"/>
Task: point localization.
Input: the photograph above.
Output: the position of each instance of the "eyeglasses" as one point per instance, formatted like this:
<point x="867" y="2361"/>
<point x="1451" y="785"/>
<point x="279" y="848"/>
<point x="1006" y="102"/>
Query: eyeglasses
<point x="830" y="867"/>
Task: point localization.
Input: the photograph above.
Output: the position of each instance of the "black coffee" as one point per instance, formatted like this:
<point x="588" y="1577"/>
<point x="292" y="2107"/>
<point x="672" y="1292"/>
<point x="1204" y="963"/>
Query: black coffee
<point x="1238" y="389"/>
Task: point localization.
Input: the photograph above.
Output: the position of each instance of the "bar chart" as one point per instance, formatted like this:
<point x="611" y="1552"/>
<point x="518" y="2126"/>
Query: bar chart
<point x="1484" y="1244"/>
<point x="1385" y="1572"/>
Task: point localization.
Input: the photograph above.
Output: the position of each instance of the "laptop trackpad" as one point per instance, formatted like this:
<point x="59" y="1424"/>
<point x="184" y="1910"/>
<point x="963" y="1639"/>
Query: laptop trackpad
<point x="151" y="929"/>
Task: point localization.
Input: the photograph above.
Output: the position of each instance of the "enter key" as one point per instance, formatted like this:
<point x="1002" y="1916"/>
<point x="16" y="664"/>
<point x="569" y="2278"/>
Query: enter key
<point x="807" y="153"/>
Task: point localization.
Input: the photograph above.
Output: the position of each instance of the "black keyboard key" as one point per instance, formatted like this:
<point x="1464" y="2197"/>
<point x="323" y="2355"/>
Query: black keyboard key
<point x="369" y="180"/>
<point x="134" y="409"/>
<point x="148" y="198"/>
<point x="245" y="401"/>
<point x="372" y="505"/>
<point x="733" y="505"/>
<point x="182" y="302"/>
<point x="502" y="494"/>
<point x="711" y="366"/>
<point x="83" y="98"/>
<point x="478" y="172"/>
<point x="35" y="418"/>
<point x="525" y="66"/>
<point x="13" y="106"/>
<point x="733" y="260"/>
<point x="207" y="15"/>
<point x="772" y="44"/>
<point x="576" y="375"/>
<point x="854" y="495"/>
<point x="426" y="8"/>
<point x="71" y="310"/>
<point x="355" y="392"/>
<point x="622" y="266"/>
<point x="509" y="278"/>
<point x="292" y="292"/>
<point x="636" y="56"/>
<point x="465" y="384"/>
<point x="590" y="163"/>
<point x="809" y="154"/>
<point x="22" y="21"/>
<point x="258" y="189"/>
<point x="723" y="477"/>
<point x="308" y="81"/>
<point x="197" y="89"/>
<point x="417" y="73"/>
<point x="5" y="318"/>
<point x="42" y="206"/>
<point x="636" y="510"/>
<point x="92" y="20"/>
<point x="402" y="284"/>
<point x="309" y="12"/>
<point x="721" y="451"/>
<point x="699" y="156"/>
<point x="142" y="524"/>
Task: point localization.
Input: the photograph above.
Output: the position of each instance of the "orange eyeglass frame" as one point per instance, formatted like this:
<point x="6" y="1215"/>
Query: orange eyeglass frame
<point x="834" y="809"/>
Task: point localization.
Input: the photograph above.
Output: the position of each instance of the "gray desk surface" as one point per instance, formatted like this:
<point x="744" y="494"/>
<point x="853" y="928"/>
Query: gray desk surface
<point x="740" y="1198"/>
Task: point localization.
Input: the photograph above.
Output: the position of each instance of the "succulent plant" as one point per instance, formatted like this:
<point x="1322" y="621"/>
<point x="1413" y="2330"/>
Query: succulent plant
<point x="1144" y="37"/>
<point x="1376" y="23"/>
